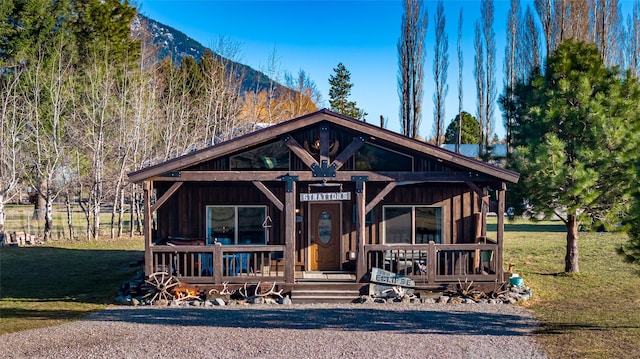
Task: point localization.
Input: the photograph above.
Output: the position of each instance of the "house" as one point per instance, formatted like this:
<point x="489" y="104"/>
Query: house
<point x="323" y="196"/>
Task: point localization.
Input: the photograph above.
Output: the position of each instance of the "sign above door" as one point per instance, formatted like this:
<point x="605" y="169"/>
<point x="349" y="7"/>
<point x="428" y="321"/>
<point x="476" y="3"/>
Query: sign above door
<point x="325" y="196"/>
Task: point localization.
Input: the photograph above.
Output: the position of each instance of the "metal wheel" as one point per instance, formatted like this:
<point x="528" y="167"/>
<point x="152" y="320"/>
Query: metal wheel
<point x="159" y="285"/>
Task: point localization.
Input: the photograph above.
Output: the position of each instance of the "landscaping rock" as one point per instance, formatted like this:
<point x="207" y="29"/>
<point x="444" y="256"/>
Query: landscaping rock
<point x="285" y="301"/>
<point x="443" y="299"/>
<point x="456" y="300"/>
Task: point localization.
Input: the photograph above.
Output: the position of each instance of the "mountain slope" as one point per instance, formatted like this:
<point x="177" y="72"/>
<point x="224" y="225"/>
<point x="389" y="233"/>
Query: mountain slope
<point x="174" y="43"/>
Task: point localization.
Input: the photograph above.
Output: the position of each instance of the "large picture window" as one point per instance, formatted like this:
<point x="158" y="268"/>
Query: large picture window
<point x="237" y="224"/>
<point x="412" y="224"/>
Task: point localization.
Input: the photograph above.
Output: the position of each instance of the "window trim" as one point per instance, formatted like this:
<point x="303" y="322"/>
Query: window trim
<point x="235" y="221"/>
<point x="413" y="222"/>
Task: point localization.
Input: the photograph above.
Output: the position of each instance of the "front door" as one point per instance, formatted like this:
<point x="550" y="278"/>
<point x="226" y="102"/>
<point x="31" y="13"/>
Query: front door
<point x="324" y="234"/>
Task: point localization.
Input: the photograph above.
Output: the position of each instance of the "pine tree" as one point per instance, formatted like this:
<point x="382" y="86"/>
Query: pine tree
<point x="339" y="93"/>
<point x="470" y="130"/>
<point x="576" y="130"/>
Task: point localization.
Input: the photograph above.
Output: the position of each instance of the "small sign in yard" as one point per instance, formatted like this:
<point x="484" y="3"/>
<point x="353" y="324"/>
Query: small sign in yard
<point x="382" y="276"/>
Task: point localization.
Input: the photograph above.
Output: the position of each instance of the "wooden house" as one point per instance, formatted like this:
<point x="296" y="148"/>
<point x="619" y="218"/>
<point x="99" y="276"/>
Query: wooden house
<point x="323" y="197"/>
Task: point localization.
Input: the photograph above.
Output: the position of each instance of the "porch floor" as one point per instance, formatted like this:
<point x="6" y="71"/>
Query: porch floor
<point x="329" y="276"/>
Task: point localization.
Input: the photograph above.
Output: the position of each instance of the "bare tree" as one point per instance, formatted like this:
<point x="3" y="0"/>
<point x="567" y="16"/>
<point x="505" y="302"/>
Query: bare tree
<point x="304" y="97"/>
<point x="489" y="35"/>
<point x="633" y="40"/>
<point x="460" y="65"/>
<point x="48" y="92"/>
<point x="11" y="128"/>
<point x="529" y="48"/>
<point x="607" y="30"/>
<point x="511" y="67"/>
<point x="411" y="57"/>
<point x="440" y="69"/>
<point x="544" y="8"/>
<point x="479" y="73"/>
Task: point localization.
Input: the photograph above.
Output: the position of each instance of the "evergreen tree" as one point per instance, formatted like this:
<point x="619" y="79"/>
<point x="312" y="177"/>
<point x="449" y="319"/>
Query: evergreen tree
<point x="576" y="130"/>
<point x="631" y="250"/>
<point x="470" y="130"/>
<point x="339" y="93"/>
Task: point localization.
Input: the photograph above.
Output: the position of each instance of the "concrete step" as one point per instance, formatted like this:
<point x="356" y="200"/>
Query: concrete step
<point x="326" y="293"/>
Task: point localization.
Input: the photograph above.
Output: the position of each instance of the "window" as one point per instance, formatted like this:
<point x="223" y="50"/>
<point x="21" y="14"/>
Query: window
<point x="237" y="224"/>
<point x="412" y="224"/>
<point x="374" y="158"/>
<point x="268" y="157"/>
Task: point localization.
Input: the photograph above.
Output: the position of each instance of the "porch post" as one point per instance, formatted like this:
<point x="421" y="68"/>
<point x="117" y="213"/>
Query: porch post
<point x="361" y="264"/>
<point x="290" y="228"/>
<point x="148" y="257"/>
<point x="484" y="209"/>
<point x="500" y="235"/>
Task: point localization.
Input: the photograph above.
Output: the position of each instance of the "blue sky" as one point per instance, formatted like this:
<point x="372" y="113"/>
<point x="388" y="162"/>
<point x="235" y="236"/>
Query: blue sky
<point x="316" y="35"/>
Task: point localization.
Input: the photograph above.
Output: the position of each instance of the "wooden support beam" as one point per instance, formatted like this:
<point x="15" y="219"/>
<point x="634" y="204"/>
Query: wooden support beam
<point x="478" y="191"/>
<point x="361" y="264"/>
<point x="500" y="235"/>
<point x="485" y="210"/>
<point x="290" y="234"/>
<point x="272" y="197"/>
<point x="148" y="256"/>
<point x="299" y="151"/>
<point x="324" y="144"/>
<point x="344" y="156"/>
<point x="165" y="197"/>
<point x="379" y="197"/>
<point x="345" y="176"/>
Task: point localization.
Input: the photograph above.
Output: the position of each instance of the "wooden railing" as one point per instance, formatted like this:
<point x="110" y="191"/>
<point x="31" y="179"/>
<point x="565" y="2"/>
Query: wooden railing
<point x="436" y="263"/>
<point x="217" y="264"/>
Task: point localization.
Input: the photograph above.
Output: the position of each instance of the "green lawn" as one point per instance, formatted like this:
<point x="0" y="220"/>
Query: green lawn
<point x="44" y="286"/>
<point x="594" y="314"/>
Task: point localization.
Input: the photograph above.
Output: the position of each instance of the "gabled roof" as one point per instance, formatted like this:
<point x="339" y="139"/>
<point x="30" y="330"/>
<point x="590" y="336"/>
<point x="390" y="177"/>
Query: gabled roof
<point x="278" y="130"/>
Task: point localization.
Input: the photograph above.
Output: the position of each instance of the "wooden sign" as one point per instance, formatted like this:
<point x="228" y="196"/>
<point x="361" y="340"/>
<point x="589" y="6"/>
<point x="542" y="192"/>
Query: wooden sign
<point x="382" y="276"/>
<point x="387" y="291"/>
<point x="325" y="196"/>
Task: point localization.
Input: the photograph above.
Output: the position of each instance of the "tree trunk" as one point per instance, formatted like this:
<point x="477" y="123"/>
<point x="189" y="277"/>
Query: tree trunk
<point x="571" y="257"/>
<point x="121" y="213"/>
<point x="48" y="218"/>
<point x="40" y="205"/>
<point x="67" y="202"/>
<point x="2" y="217"/>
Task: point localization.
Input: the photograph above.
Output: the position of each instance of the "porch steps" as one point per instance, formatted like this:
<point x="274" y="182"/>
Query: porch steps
<point x="325" y="292"/>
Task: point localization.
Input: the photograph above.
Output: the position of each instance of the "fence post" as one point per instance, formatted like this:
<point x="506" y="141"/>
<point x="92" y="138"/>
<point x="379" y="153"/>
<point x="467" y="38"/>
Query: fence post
<point x="431" y="263"/>
<point x="217" y="263"/>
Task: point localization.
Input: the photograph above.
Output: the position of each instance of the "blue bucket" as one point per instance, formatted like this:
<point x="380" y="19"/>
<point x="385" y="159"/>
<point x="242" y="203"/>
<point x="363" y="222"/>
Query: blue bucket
<point x="516" y="281"/>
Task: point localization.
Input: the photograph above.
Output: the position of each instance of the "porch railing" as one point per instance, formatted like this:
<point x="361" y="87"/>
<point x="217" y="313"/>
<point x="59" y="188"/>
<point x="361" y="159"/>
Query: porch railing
<point x="436" y="263"/>
<point x="217" y="264"/>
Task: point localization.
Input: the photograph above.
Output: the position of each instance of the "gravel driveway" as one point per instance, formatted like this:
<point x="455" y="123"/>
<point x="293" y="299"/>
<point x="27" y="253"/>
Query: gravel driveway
<point x="297" y="331"/>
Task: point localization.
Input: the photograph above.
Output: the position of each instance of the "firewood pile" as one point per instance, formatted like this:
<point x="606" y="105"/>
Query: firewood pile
<point x="19" y="239"/>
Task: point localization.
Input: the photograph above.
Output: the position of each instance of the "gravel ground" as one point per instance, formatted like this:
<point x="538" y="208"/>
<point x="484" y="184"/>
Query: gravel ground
<point x="297" y="331"/>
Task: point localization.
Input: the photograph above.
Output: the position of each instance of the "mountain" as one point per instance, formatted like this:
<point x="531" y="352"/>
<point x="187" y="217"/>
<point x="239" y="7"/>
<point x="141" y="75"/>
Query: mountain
<point x="174" y="43"/>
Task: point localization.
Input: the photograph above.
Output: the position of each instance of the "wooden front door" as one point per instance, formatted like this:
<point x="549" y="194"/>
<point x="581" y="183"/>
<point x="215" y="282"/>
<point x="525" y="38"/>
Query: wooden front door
<point x="324" y="234"/>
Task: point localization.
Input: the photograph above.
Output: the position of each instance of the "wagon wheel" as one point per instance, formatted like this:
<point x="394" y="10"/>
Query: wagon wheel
<point x="159" y="286"/>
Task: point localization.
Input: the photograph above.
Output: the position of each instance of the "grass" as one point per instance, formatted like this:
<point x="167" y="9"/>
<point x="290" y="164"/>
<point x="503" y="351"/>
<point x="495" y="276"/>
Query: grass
<point x="63" y="281"/>
<point x="593" y="314"/>
<point x="20" y="219"/>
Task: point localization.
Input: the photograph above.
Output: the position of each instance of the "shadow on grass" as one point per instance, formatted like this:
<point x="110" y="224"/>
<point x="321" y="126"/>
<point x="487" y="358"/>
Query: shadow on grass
<point x="345" y="319"/>
<point x="529" y="227"/>
<point x="563" y="328"/>
<point x="42" y="314"/>
<point x="47" y="274"/>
